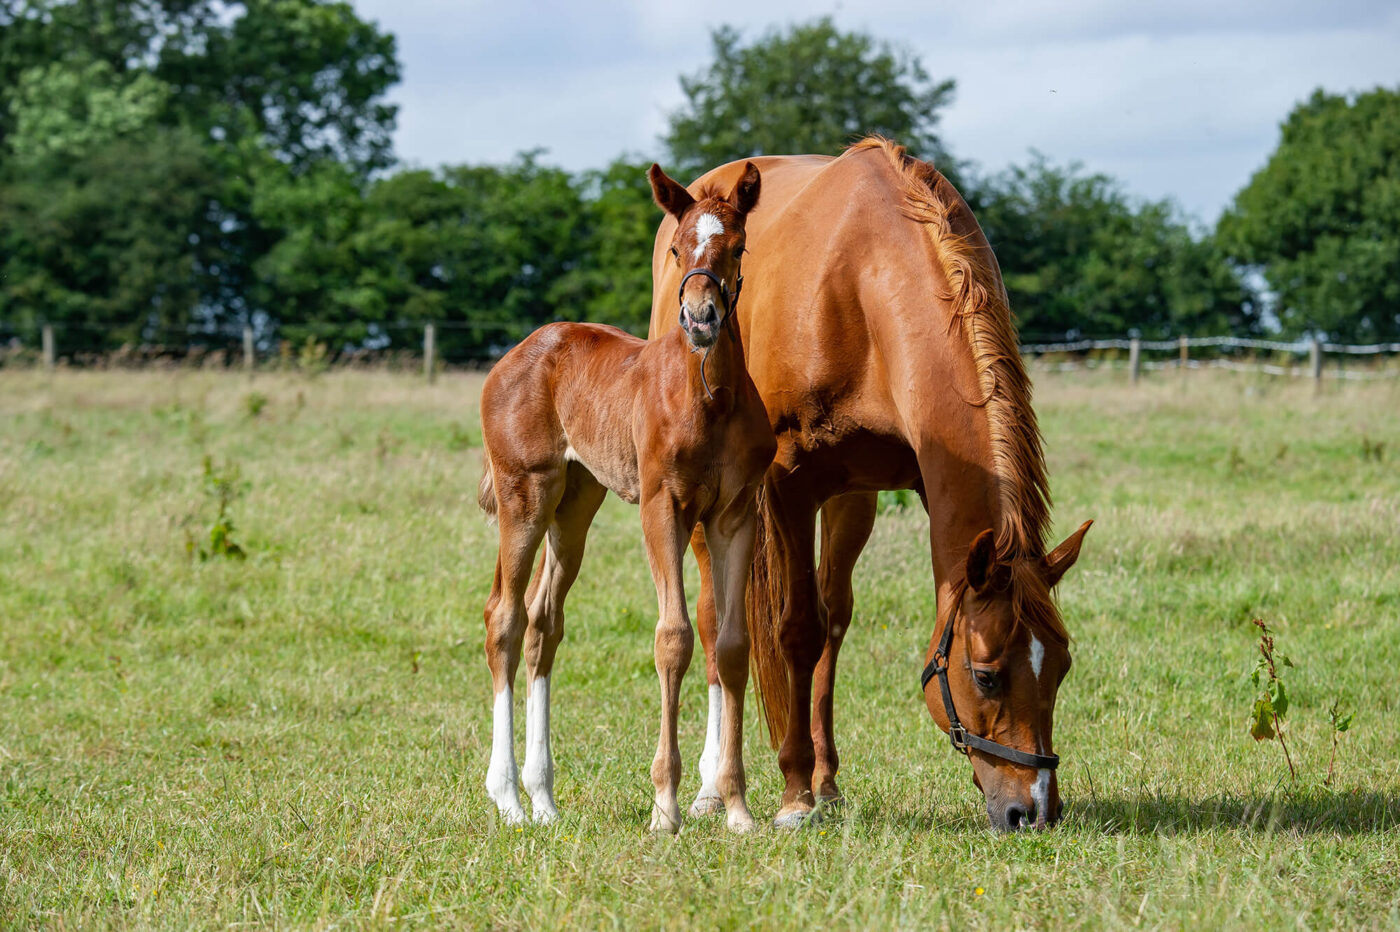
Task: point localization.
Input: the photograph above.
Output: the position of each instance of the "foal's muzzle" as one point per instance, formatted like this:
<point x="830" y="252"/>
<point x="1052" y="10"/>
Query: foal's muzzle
<point x="701" y="324"/>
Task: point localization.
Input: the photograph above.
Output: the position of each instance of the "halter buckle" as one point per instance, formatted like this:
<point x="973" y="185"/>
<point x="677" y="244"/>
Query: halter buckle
<point x="958" y="735"/>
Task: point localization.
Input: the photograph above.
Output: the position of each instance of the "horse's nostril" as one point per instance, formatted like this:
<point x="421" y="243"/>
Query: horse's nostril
<point x="1059" y="810"/>
<point x="1016" y="817"/>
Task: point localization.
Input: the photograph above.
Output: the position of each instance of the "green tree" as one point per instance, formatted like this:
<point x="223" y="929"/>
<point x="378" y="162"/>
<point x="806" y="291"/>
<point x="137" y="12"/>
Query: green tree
<point x="1080" y="257"/>
<point x="1321" y="219"/>
<point x="811" y="88"/>
<point x="613" y="284"/>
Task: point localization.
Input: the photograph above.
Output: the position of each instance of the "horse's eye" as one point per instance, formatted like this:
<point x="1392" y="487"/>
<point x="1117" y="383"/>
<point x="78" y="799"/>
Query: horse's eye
<point x="675" y="253"/>
<point x="986" y="680"/>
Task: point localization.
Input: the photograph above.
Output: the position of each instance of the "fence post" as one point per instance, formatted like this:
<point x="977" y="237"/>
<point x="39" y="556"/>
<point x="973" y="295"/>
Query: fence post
<point x="46" y="338"/>
<point x="1315" y="358"/>
<point x="249" y="357"/>
<point x="430" y="352"/>
<point x="1135" y="358"/>
<point x="1185" y="352"/>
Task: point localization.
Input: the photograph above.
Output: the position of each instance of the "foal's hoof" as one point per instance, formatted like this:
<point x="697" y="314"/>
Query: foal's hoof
<point x="739" y="822"/>
<point x="796" y="816"/>
<point x="665" y="823"/>
<point x="544" y="815"/>
<point x="706" y="805"/>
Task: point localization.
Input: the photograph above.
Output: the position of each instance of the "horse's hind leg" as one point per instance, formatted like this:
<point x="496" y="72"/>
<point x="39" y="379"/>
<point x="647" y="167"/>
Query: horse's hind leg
<point x="525" y="504"/>
<point x="563" y="553"/>
<point x="666" y="532"/>
<point x="846" y="524"/>
<point x="708" y="799"/>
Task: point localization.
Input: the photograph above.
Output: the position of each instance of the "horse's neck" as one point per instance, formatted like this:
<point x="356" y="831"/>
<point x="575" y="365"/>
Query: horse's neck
<point x="722" y="366"/>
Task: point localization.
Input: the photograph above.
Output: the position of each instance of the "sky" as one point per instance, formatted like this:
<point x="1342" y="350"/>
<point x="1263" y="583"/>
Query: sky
<point x="1178" y="100"/>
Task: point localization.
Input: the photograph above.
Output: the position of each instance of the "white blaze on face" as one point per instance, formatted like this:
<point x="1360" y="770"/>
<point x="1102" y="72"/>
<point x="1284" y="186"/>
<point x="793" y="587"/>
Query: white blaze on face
<point x="1040" y="792"/>
<point x="707" y="226"/>
<point x="1037" y="656"/>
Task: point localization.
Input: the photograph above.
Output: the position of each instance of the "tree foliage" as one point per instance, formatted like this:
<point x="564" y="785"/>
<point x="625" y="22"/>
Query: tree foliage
<point x="811" y="88"/>
<point x="1080" y="257"/>
<point x="1322" y="218"/>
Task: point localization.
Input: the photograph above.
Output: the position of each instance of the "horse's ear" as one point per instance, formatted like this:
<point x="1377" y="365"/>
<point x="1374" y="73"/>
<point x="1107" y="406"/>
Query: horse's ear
<point x="670" y="196"/>
<point x="744" y="197"/>
<point x="982" y="561"/>
<point x="1057" y="562"/>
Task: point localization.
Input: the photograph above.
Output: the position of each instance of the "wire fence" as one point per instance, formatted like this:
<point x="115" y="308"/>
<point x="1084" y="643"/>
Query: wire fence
<point x="1296" y="359"/>
<point x="431" y="346"/>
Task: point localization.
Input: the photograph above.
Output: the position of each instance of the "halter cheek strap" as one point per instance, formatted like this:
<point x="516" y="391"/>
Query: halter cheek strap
<point x="962" y="739"/>
<point x="730" y="299"/>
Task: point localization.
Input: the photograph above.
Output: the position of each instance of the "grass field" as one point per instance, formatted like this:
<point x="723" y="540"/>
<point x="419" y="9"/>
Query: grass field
<point x="299" y="738"/>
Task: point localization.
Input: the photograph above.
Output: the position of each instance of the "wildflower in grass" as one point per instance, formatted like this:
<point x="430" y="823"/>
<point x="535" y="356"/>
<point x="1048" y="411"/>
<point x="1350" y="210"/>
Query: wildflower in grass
<point x="978" y="892"/>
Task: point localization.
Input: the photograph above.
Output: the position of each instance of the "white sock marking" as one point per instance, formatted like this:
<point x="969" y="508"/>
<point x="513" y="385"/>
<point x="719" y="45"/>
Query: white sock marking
<point x="709" y="758"/>
<point x="1037" y="655"/>
<point x="501" y="776"/>
<point x="707" y="226"/>
<point x="539" y="761"/>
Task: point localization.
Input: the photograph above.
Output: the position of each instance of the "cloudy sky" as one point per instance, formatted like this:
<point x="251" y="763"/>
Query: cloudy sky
<point x="1179" y="100"/>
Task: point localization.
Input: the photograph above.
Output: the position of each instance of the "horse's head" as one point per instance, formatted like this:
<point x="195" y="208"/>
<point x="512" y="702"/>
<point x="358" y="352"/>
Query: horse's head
<point x="707" y="247"/>
<point x="1004" y="658"/>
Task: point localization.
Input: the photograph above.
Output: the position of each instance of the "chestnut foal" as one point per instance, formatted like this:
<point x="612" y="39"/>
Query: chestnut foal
<point x="674" y="424"/>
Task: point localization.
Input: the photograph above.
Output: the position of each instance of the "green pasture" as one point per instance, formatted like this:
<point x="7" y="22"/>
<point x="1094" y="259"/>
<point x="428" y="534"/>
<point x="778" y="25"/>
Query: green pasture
<point x="298" y="738"/>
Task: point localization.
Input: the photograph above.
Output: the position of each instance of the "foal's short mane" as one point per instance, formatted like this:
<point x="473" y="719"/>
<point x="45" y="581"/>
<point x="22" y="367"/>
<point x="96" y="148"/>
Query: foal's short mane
<point x="979" y="303"/>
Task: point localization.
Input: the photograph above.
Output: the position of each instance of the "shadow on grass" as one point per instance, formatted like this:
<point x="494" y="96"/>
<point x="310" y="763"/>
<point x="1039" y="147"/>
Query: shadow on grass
<point x="1309" y="812"/>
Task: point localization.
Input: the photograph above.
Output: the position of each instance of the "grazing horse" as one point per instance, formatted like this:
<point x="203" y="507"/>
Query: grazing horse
<point x="881" y="341"/>
<point x="674" y="424"/>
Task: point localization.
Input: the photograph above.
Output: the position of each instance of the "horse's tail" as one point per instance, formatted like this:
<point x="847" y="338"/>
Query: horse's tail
<point x="486" y="489"/>
<point x="763" y="610"/>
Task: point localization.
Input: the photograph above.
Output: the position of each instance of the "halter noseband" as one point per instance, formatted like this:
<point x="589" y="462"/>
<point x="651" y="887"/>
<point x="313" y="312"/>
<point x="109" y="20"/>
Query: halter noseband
<point x="730" y="299"/>
<point x="963" y="739"/>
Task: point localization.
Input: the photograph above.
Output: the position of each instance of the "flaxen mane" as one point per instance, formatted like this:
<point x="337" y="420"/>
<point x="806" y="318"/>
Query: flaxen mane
<point x="979" y="302"/>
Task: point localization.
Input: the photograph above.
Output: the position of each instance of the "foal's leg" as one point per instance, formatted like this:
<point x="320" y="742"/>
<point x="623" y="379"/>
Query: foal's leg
<point x="708" y="799"/>
<point x="666" y="532"/>
<point x="563" y="552"/>
<point x="525" y="504"/>
<point x="731" y="539"/>
<point x="846" y="524"/>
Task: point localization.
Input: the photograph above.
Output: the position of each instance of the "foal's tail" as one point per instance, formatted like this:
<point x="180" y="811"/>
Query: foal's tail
<point x="763" y="611"/>
<point x="486" y="489"/>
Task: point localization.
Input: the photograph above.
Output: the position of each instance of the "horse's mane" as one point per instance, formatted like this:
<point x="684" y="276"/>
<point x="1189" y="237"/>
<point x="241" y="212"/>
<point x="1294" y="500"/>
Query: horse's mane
<point x="980" y="304"/>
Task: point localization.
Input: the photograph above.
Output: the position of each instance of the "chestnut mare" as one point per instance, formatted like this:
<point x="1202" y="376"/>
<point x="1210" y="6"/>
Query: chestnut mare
<point x="674" y="424"/>
<point x="879" y="337"/>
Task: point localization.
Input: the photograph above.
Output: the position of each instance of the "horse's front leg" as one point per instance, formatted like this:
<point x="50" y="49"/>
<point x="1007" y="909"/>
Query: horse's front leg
<point x="708" y="800"/>
<point x="730" y="537"/>
<point x="666" y="532"/>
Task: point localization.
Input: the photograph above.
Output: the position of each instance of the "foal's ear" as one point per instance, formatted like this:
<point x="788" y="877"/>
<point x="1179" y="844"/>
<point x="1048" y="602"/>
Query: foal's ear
<point x="982" y="562"/>
<point x="1057" y="562"/>
<point x="744" y="197"/>
<point x="670" y="196"/>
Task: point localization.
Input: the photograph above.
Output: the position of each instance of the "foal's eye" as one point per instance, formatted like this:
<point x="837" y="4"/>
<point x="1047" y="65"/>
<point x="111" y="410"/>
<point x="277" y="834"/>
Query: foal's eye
<point x="986" y="680"/>
<point x="675" y="253"/>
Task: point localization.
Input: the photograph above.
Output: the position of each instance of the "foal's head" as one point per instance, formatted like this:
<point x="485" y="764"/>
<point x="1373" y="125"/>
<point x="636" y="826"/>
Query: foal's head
<point x="1008" y="654"/>
<point x="707" y="247"/>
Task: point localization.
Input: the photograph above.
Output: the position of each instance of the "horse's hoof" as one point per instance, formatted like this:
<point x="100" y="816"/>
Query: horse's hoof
<point x="831" y="802"/>
<point x="795" y="817"/>
<point x="543" y="815"/>
<point x="706" y="805"/>
<point x="740" y="823"/>
<point x="512" y="815"/>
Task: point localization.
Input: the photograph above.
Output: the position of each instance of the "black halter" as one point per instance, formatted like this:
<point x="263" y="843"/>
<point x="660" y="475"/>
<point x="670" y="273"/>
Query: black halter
<point x="730" y="299"/>
<point x="962" y="739"/>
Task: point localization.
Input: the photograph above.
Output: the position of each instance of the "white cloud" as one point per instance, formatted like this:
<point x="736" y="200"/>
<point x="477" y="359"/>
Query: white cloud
<point x="1178" y="100"/>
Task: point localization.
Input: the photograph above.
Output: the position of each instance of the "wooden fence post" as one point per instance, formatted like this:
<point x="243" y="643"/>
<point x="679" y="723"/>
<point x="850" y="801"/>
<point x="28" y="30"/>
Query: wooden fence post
<point x="249" y="357"/>
<point x="1185" y="353"/>
<point x="430" y="352"/>
<point x="1315" y="359"/>
<point x="46" y="339"/>
<point x="1135" y="358"/>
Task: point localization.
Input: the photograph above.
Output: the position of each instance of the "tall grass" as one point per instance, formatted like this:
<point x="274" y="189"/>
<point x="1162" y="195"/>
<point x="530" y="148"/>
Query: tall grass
<point x="298" y="738"/>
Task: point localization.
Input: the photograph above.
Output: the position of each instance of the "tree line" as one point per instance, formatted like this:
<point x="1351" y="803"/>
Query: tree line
<point x="176" y="170"/>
